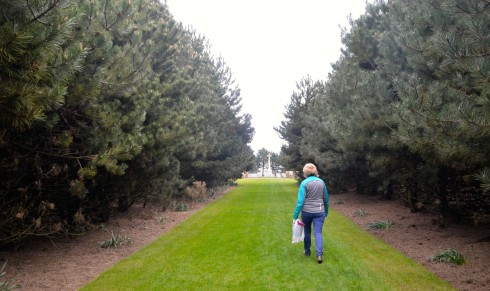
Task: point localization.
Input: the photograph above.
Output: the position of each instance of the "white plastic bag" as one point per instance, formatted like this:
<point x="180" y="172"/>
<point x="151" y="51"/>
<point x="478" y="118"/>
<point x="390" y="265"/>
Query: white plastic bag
<point x="298" y="231"/>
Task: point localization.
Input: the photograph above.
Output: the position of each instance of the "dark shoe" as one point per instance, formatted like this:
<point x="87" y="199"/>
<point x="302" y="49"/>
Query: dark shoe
<point x="307" y="254"/>
<point x="319" y="259"/>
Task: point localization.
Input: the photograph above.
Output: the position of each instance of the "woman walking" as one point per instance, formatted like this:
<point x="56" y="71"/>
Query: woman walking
<point x="313" y="204"/>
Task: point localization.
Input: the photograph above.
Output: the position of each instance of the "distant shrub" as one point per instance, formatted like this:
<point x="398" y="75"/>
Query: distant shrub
<point x="380" y="224"/>
<point x="339" y="202"/>
<point x="115" y="240"/>
<point x="197" y="191"/>
<point x="450" y="256"/>
<point x="231" y="183"/>
<point x="361" y="213"/>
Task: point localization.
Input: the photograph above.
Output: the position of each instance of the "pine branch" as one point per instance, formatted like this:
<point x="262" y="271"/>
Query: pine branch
<point x="67" y="156"/>
<point x="105" y="15"/>
<point x="138" y="68"/>
<point x="37" y="18"/>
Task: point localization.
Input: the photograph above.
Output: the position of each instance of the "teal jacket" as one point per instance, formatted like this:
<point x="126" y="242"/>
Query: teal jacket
<point x="312" y="197"/>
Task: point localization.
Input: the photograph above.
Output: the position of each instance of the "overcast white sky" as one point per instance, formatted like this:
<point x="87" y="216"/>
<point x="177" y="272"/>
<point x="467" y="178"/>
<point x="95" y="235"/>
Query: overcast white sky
<point x="270" y="45"/>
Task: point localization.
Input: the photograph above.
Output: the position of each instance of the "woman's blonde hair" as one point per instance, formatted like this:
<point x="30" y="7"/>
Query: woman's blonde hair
<point x="309" y="169"/>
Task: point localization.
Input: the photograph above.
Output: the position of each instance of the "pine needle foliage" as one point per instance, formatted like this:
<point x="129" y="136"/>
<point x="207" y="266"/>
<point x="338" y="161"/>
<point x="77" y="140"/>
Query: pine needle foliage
<point x="105" y="104"/>
<point x="404" y="112"/>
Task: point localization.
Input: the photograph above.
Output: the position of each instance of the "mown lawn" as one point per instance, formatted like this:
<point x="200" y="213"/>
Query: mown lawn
<point x="243" y="242"/>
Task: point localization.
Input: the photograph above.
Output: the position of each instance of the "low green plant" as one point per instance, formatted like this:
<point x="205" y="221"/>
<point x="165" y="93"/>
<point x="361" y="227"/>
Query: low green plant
<point x="181" y="206"/>
<point x="115" y="240"/>
<point x="338" y="202"/>
<point x="8" y="284"/>
<point x="380" y="224"/>
<point x="160" y="220"/>
<point x="361" y="213"/>
<point x="450" y="256"/>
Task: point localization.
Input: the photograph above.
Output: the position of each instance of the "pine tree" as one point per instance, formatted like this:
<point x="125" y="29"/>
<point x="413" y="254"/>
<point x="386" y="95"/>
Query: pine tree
<point x="358" y="100"/>
<point x="444" y="104"/>
<point x="291" y="130"/>
<point x="220" y="133"/>
<point x="39" y="57"/>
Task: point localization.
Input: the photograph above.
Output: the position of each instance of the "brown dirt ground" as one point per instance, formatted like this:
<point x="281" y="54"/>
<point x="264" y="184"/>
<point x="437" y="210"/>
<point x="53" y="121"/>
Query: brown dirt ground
<point x="69" y="263"/>
<point x="418" y="237"/>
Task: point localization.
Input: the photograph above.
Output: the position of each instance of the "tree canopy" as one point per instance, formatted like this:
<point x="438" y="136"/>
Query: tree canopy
<point x="105" y="104"/>
<point x="405" y="110"/>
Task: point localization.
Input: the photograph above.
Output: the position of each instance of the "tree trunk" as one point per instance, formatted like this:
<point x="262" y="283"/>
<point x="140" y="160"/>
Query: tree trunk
<point x="442" y="201"/>
<point x="412" y="195"/>
<point x="388" y="194"/>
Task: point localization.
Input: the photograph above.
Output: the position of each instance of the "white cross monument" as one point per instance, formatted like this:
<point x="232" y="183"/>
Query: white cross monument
<point x="268" y="171"/>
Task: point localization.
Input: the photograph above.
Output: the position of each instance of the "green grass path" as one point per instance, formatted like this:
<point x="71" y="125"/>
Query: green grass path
<point x="242" y="241"/>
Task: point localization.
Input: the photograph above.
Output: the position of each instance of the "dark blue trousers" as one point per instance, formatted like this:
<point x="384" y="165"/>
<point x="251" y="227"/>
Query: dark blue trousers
<point x="317" y="219"/>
